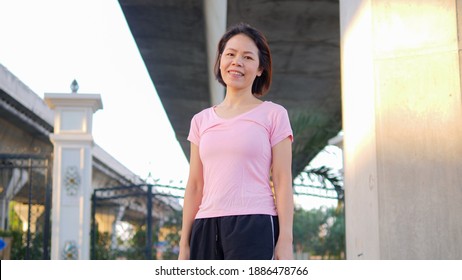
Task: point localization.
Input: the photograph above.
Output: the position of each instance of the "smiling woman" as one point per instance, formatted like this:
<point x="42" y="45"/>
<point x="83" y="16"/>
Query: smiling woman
<point x="239" y="64"/>
<point x="255" y="52"/>
<point x="230" y="211"/>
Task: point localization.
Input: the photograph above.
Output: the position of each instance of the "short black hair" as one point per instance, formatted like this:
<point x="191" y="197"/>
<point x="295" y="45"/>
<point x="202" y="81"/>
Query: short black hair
<point x="262" y="83"/>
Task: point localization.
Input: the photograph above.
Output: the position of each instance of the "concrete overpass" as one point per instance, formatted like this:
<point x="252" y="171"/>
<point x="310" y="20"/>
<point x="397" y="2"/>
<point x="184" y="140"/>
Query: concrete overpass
<point x="177" y="40"/>
<point x="26" y="156"/>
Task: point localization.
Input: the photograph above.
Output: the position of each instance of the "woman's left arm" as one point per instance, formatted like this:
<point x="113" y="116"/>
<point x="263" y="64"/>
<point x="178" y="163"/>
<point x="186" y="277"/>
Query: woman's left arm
<point x="282" y="180"/>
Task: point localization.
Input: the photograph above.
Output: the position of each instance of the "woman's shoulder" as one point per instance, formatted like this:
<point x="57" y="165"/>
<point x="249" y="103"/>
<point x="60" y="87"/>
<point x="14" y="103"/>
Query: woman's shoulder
<point x="203" y="113"/>
<point x="203" y="117"/>
<point x="275" y="107"/>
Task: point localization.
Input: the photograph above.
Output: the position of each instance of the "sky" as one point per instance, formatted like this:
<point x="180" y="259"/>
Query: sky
<point x="49" y="43"/>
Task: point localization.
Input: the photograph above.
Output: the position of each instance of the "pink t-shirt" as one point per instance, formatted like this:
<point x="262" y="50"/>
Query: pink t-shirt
<point x="236" y="159"/>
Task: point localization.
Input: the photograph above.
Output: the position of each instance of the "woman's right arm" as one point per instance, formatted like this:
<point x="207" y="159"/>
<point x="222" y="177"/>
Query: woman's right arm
<point x="192" y="200"/>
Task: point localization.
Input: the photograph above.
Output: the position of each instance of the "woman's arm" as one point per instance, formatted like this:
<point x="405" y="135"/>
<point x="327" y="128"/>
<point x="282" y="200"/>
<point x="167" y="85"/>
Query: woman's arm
<point x="192" y="200"/>
<point x="282" y="179"/>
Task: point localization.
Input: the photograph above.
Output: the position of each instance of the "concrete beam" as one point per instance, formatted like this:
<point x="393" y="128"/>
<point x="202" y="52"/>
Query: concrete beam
<point x="215" y="12"/>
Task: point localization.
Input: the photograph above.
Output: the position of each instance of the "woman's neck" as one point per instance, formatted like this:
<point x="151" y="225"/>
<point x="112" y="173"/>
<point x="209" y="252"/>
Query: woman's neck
<point x="239" y="98"/>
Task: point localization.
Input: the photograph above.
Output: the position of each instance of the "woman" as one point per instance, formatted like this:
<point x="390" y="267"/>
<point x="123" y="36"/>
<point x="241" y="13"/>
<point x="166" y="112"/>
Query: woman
<point x="229" y="210"/>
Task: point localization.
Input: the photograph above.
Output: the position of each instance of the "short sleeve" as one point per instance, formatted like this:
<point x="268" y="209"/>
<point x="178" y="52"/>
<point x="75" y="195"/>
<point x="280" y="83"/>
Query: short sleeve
<point x="194" y="136"/>
<point x="281" y="128"/>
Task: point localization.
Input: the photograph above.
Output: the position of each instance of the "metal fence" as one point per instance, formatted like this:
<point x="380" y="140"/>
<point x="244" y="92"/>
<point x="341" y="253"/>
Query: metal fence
<point x="26" y="204"/>
<point x="127" y="221"/>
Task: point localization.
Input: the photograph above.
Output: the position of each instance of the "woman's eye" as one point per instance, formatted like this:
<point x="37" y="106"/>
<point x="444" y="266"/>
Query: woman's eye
<point x="248" y="57"/>
<point x="229" y="54"/>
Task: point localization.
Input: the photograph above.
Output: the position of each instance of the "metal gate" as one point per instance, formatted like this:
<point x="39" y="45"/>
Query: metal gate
<point x="25" y="197"/>
<point x="141" y="207"/>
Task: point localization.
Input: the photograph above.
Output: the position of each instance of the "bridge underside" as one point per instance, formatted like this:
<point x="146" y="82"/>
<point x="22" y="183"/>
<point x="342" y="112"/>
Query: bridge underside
<point x="304" y="39"/>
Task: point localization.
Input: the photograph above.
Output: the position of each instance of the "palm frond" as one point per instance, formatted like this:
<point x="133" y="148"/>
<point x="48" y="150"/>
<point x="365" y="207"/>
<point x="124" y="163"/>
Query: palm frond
<point x="311" y="132"/>
<point x="327" y="177"/>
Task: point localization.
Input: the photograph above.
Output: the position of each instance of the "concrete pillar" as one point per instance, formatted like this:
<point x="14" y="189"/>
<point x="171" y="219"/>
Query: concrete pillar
<point x="72" y="171"/>
<point x="215" y="23"/>
<point x="402" y="123"/>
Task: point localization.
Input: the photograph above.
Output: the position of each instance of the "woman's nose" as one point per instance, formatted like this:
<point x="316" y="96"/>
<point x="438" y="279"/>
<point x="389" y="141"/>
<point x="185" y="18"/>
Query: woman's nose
<point x="237" y="60"/>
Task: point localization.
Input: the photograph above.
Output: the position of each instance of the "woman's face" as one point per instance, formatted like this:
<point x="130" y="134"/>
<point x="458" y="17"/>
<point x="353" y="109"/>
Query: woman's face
<point x="239" y="63"/>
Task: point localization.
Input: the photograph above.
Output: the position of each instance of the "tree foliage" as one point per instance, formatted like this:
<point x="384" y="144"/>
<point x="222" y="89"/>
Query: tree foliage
<point x="312" y="130"/>
<point x="334" y="240"/>
<point x="320" y="232"/>
<point x="306" y="230"/>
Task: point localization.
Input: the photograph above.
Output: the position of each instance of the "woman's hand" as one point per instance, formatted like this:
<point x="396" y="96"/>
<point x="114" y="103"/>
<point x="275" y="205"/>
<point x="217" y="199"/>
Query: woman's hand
<point x="184" y="253"/>
<point x="283" y="250"/>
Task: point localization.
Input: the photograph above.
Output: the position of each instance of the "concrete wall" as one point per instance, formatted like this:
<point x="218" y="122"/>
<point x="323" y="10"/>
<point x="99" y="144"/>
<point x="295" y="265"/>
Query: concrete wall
<point x="14" y="140"/>
<point x="402" y="113"/>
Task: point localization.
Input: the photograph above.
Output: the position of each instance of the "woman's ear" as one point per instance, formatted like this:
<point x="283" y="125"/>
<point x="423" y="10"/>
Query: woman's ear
<point x="260" y="72"/>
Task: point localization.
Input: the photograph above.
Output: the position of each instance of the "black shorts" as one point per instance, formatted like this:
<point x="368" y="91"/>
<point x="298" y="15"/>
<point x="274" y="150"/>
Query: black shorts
<point x="244" y="237"/>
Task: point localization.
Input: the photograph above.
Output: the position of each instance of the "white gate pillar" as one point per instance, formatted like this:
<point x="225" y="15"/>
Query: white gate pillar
<point x="72" y="173"/>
